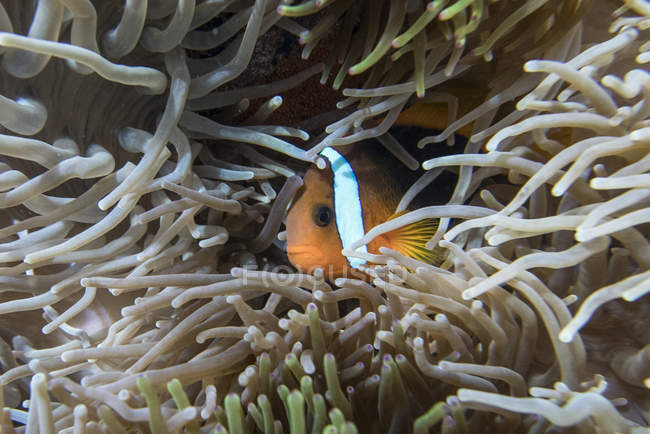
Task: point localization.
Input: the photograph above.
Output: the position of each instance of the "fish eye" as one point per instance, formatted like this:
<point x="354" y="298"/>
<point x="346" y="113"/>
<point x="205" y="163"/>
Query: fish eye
<point x="322" y="215"/>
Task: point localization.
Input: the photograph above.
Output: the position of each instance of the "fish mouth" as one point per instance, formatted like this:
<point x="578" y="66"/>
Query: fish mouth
<point x="304" y="256"/>
<point x="299" y="249"/>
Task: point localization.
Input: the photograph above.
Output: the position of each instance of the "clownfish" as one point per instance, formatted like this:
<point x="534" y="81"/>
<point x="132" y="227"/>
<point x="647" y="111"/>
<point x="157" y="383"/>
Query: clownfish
<point x="359" y="189"/>
<point x="339" y="204"/>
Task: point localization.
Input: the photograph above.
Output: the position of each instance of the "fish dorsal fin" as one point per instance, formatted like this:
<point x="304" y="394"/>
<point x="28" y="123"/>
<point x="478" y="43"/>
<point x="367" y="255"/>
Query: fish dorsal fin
<point x="410" y="240"/>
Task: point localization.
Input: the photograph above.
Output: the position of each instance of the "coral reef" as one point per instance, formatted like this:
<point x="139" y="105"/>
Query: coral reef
<point x="150" y="149"/>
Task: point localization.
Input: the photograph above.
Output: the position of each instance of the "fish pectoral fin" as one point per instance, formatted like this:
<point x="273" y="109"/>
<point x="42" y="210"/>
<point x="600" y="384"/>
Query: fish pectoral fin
<point x="411" y="241"/>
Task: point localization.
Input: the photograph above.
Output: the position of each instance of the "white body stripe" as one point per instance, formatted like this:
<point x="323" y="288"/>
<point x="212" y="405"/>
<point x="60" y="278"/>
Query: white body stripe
<point x="347" y="203"/>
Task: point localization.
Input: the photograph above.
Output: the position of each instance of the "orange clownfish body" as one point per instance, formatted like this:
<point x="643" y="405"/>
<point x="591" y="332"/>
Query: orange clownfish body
<point x="359" y="189"/>
<point x="339" y="204"/>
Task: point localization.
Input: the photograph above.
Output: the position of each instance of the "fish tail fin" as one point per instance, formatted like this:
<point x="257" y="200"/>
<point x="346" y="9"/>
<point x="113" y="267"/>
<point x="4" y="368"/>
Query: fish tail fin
<point x="411" y="240"/>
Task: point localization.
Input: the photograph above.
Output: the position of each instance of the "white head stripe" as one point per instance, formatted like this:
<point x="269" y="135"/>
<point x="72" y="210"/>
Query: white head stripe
<point x="347" y="203"/>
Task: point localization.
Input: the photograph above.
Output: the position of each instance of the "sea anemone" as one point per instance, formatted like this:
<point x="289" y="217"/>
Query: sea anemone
<point x="149" y="154"/>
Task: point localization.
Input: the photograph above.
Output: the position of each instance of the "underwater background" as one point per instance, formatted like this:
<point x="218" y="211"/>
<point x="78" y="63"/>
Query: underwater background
<point x="151" y="149"/>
